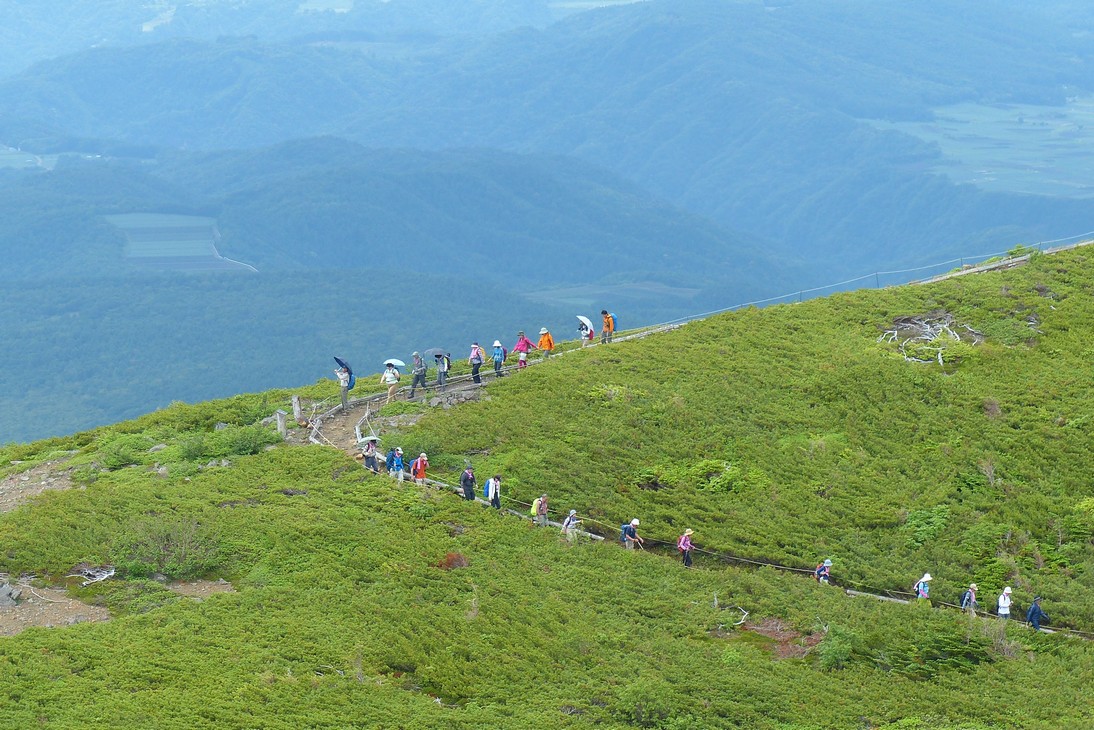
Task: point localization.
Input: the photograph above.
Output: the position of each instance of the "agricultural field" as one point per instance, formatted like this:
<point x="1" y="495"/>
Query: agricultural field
<point x="1014" y="148"/>
<point x="837" y="428"/>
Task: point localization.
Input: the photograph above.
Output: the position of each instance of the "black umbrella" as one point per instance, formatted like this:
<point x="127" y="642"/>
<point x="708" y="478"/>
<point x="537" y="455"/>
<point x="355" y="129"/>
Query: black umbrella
<point x="343" y="364"/>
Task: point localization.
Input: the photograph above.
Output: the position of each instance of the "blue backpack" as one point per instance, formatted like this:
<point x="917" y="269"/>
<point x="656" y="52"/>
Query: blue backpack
<point x="615" y="322"/>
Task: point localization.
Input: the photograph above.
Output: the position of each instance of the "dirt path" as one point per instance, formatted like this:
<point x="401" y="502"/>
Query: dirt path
<point x="46" y="607"/>
<point x="19" y="488"/>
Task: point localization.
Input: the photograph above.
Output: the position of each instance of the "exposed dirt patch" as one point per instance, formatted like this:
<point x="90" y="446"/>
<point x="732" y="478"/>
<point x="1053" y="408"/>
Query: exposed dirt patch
<point x="201" y="589"/>
<point x="47" y="607"/>
<point x="19" y="488"/>
<point x="786" y="642"/>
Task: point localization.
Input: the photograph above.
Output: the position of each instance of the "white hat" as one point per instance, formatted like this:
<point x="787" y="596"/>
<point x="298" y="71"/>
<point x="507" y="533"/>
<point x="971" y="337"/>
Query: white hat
<point x="573" y="511"/>
<point x="1006" y="590"/>
<point x="926" y="577"/>
<point x="415" y="354"/>
<point x="398" y="450"/>
<point x="497" y="343"/>
<point x="543" y="330"/>
<point x="828" y="562"/>
<point x="422" y="455"/>
<point x="634" y="521"/>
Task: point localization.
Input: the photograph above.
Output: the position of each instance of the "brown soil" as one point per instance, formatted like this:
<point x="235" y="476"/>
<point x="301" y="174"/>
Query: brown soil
<point x="787" y="643"/>
<point x="19" y="488"/>
<point x="201" y="589"/>
<point x="46" y="607"/>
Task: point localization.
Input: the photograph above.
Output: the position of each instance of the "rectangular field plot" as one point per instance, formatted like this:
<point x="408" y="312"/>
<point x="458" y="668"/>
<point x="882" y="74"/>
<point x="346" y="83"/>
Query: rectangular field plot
<point x="176" y="242"/>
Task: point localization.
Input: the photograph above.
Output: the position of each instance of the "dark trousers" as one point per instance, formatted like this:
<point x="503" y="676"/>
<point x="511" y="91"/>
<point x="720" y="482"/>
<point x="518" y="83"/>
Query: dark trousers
<point x="419" y="379"/>
<point x="469" y="492"/>
<point x="497" y="368"/>
<point x="475" y="371"/>
<point x="687" y="558"/>
<point x="442" y="376"/>
<point x="495" y="501"/>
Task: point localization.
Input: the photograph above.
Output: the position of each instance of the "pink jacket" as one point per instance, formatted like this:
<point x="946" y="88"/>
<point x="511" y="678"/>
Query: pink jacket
<point x="523" y="345"/>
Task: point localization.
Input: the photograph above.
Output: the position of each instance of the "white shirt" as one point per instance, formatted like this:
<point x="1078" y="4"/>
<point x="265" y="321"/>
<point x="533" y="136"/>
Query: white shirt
<point x="491" y="488"/>
<point x="391" y="375"/>
<point x="1004" y="604"/>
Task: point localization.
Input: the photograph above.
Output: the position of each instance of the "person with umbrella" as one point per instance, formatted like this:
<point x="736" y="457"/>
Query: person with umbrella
<point x="390" y="378"/>
<point x="345" y="381"/>
<point x="584" y="329"/>
<point x="443" y="362"/>
<point x="418" y="370"/>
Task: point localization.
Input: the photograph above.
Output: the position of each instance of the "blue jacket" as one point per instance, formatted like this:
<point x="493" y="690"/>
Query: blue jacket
<point x="1035" y="615"/>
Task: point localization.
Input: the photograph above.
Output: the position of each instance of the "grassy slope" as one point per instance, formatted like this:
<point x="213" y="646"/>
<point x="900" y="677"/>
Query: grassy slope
<point x="837" y="445"/>
<point x="342" y="620"/>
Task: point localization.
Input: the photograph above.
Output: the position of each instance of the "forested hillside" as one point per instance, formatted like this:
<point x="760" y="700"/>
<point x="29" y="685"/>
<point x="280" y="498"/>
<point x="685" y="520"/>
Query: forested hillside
<point x="792" y="434"/>
<point x="761" y="119"/>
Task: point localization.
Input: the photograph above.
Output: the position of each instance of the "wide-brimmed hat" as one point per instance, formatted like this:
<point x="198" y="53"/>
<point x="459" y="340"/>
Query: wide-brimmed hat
<point x="416" y="354"/>
<point x="689" y="531"/>
<point x="973" y="586"/>
<point x="926" y="577"/>
<point x="398" y="450"/>
<point x="543" y="330"/>
<point x="422" y="455"/>
<point x="1006" y="590"/>
<point x="497" y="343"/>
<point x="828" y="562"/>
<point x="573" y="512"/>
<point x="634" y="521"/>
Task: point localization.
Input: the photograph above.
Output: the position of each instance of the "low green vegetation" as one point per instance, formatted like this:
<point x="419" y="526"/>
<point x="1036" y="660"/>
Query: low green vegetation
<point x="791" y="434"/>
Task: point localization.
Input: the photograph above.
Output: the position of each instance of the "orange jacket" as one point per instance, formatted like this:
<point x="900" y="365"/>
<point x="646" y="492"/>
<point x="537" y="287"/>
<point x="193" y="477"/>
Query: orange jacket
<point x="546" y="342"/>
<point x="418" y="467"/>
<point x="609" y="325"/>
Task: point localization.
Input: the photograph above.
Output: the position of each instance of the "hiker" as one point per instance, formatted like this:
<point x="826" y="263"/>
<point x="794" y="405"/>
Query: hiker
<point x="418" y="467"/>
<point x="492" y="491"/>
<point x="685" y="547"/>
<point x="1003" y="605"/>
<point x="822" y="574"/>
<point x="390" y="378"/>
<point x="498" y="356"/>
<point x="369" y="452"/>
<point x="546" y="343"/>
<point x="628" y="535"/>
<point x="444" y="362"/>
<point x="343" y="383"/>
<point x="584" y="333"/>
<point x="539" y="510"/>
<point x="609" y="327"/>
<point x="522" y="348"/>
<point x="968" y="599"/>
<point x="417" y="369"/>
<point x="569" y="526"/>
<point x="396" y="462"/>
<point x="922" y="589"/>
<point x="467" y="482"/>
<point x="1035" y="615"/>
<point x="475" y="360"/>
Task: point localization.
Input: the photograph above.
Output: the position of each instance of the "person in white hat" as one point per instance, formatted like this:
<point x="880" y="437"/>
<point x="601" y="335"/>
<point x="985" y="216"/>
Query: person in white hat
<point x="569" y="526"/>
<point x="968" y="599"/>
<point x="685" y="547"/>
<point x="1003" y="606"/>
<point x="418" y="468"/>
<point x="546" y="343"/>
<point x="629" y="534"/>
<point x="922" y="589"/>
<point x="499" y="355"/>
<point x="823" y="572"/>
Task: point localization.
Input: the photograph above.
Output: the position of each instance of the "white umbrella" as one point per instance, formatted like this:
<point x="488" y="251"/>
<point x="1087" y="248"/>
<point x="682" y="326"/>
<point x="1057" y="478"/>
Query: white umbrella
<point x="394" y="361"/>
<point x="587" y="322"/>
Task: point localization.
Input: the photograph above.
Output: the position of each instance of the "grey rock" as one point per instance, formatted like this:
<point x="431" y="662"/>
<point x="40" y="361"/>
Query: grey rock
<point x="157" y="448"/>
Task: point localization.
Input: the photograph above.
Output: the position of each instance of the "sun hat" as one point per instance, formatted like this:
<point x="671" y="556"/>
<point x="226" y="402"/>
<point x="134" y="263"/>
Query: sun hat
<point x="497" y="343"/>
<point x="543" y="496"/>
<point x="688" y="531"/>
<point x="973" y="586"/>
<point x="573" y="512"/>
<point x="543" y="330"/>
<point x="398" y="450"/>
<point x="828" y="562"/>
<point x="634" y="521"/>
<point x="1007" y="590"/>
<point x="416" y="354"/>
<point x="422" y="455"/>
<point x="926" y="577"/>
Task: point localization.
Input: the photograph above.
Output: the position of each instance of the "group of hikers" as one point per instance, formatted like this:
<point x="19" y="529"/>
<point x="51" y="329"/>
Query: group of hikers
<point x="391" y="377"/>
<point x="398" y="467"/>
<point x="1035" y="615"/>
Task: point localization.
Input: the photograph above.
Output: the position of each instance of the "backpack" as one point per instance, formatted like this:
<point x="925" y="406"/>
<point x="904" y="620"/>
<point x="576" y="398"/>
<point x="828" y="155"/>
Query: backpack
<point x="615" y="322"/>
<point x="486" y="489"/>
<point x="352" y="381"/>
<point x="535" y="507"/>
<point x="623" y="533"/>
